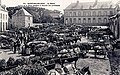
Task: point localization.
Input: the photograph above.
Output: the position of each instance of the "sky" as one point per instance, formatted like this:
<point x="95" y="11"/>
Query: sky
<point x="63" y="3"/>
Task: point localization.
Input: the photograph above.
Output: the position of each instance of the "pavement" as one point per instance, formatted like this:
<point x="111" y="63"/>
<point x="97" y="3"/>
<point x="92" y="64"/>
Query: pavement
<point x="115" y="62"/>
<point x="97" y="66"/>
<point x="6" y="53"/>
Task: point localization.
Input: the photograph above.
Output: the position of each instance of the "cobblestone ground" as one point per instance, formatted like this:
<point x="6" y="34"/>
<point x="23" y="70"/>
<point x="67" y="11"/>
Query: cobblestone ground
<point x="6" y="53"/>
<point x="115" y="63"/>
<point x="97" y="66"/>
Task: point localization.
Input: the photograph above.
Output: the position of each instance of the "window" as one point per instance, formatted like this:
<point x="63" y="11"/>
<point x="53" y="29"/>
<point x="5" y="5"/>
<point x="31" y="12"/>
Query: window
<point x="0" y="15"/>
<point x="84" y="20"/>
<point x="89" y="13"/>
<point x="94" y="13"/>
<point x="94" y="20"/>
<point x="70" y="20"/>
<point x="89" y="20"/>
<point x="74" y="20"/>
<point x="111" y="12"/>
<point x="66" y="13"/>
<point x="66" y="20"/>
<point x="74" y="13"/>
<point x="105" y="20"/>
<point x="105" y="12"/>
<point x="6" y="25"/>
<point x="28" y="18"/>
<point x="28" y="24"/>
<point x="3" y="16"/>
<point x="0" y="26"/>
<point x="3" y="26"/>
<point x="79" y="13"/>
<point x="70" y="13"/>
<point x="99" y="13"/>
<point x="84" y="13"/>
<point x="6" y="17"/>
<point x="79" y="20"/>
<point x="99" y="20"/>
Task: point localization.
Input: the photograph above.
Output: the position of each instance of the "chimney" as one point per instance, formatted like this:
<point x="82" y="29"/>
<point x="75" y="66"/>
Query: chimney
<point x="4" y="7"/>
<point x="77" y="1"/>
<point x="76" y="4"/>
<point x="95" y="3"/>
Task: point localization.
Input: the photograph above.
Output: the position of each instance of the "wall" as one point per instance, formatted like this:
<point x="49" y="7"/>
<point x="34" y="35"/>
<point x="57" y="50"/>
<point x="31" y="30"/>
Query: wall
<point x="90" y="14"/>
<point x="18" y="21"/>
<point x="22" y="21"/>
<point x="28" y="21"/>
<point x="3" y="20"/>
<point x="115" y="26"/>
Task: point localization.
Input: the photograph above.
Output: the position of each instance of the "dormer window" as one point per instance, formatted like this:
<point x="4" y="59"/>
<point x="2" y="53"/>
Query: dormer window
<point x="90" y="7"/>
<point x="82" y="7"/>
<point x="111" y="6"/>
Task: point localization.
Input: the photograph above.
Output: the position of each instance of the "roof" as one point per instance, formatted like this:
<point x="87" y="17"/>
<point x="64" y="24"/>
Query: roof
<point x="115" y="16"/>
<point x="22" y="11"/>
<point x="55" y="11"/>
<point x="118" y="12"/>
<point x="90" y="5"/>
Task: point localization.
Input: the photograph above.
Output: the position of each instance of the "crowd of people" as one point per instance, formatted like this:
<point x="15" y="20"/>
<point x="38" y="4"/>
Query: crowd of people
<point x="52" y="39"/>
<point x="22" y="66"/>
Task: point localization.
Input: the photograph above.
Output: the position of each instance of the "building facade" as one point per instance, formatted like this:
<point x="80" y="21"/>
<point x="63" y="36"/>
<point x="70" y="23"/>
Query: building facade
<point x="114" y="25"/>
<point x="89" y="13"/>
<point x="3" y="19"/>
<point x="55" y="14"/>
<point x="22" y="18"/>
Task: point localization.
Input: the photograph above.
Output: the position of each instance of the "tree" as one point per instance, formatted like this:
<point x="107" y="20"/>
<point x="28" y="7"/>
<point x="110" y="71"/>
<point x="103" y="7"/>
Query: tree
<point x="46" y="19"/>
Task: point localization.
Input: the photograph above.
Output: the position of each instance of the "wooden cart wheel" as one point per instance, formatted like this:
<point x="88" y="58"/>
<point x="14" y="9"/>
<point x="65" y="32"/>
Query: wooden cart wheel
<point x="4" y="44"/>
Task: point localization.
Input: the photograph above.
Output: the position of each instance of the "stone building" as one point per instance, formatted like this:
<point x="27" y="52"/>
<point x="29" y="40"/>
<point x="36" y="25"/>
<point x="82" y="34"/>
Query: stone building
<point x="22" y="18"/>
<point x="55" y="14"/>
<point x="3" y="18"/>
<point x="89" y="13"/>
<point x="114" y="25"/>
